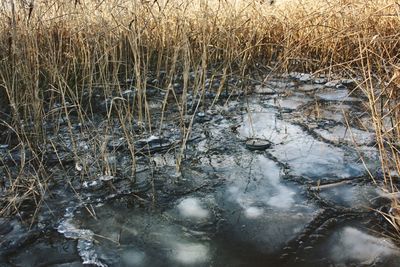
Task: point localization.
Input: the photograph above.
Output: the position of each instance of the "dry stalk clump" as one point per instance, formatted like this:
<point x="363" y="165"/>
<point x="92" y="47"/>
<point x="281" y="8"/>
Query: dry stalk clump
<point x="387" y="125"/>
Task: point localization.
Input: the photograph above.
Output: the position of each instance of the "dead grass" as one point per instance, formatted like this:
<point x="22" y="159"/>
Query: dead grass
<point x="53" y="53"/>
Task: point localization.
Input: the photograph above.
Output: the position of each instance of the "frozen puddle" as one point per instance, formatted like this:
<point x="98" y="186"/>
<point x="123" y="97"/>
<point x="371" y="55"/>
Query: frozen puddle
<point x="261" y="209"/>
<point x="290" y="103"/>
<point x="339" y="134"/>
<point x="305" y="155"/>
<point x="332" y="94"/>
<point x="125" y="238"/>
<point x="258" y="182"/>
<point x="317" y="160"/>
<point x="265" y="125"/>
<point x="348" y="195"/>
<point x="288" y="204"/>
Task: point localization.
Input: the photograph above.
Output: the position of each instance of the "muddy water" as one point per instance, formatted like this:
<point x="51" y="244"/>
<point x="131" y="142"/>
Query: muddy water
<point x="275" y="178"/>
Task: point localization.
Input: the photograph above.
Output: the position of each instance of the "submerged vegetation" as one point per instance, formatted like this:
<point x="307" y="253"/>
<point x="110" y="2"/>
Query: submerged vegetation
<point x="59" y="59"/>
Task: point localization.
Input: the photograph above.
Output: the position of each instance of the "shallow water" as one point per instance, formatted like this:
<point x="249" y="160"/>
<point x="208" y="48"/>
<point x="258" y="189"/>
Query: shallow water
<point x="303" y="201"/>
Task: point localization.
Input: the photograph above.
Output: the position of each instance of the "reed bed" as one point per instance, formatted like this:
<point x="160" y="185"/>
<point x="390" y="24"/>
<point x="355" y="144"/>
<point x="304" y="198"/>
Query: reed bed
<point x="54" y="54"/>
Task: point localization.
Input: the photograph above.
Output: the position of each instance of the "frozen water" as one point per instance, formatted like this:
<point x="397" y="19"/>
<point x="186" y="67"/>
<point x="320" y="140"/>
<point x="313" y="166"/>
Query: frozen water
<point x="265" y="125"/>
<point x="333" y="112"/>
<point x="265" y="90"/>
<point x="259" y="207"/>
<point x="304" y="77"/>
<point x="283" y="198"/>
<point x="245" y="203"/>
<point x="69" y="230"/>
<point x="351" y="245"/>
<point x="340" y="133"/>
<point x="162" y="160"/>
<point x="309" y="87"/>
<point x="332" y="94"/>
<point x="88" y="254"/>
<point x="266" y="230"/>
<point x="348" y="195"/>
<point x="291" y="102"/>
<point x="85" y="241"/>
<point x="133" y="257"/>
<point x="274" y="87"/>
<point x="190" y="253"/>
<point x="259" y="185"/>
<point x="315" y="159"/>
<point x="305" y="155"/>
<point x="57" y="253"/>
<point x="191" y="208"/>
<point x="144" y="238"/>
<point x="332" y="83"/>
<point x="253" y="212"/>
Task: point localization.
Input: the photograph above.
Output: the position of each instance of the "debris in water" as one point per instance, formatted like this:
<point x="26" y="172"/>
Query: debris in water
<point x="258" y="144"/>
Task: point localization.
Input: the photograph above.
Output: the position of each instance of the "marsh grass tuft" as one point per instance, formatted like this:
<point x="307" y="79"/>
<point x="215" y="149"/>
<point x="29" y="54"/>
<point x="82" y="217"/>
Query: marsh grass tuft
<point x="59" y="59"/>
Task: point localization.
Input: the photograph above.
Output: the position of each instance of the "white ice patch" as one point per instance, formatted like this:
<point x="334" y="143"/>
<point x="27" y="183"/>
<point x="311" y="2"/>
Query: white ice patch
<point x="341" y="133"/>
<point x="85" y="242"/>
<point x="345" y="194"/>
<point x="265" y="125"/>
<point x="312" y="158"/>
<point x="253" y="212"/>
<point x="292" y="102"/>
<point x="305" y="155"/>
<point x="266" y="188"/>
<point x="191" y="208"/>
<point x="283" y="199"/>
<point x="190" y="253"/>
<point x="356" y="246"/>
<point x="333" y="94"/>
